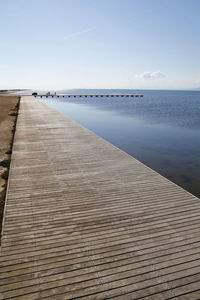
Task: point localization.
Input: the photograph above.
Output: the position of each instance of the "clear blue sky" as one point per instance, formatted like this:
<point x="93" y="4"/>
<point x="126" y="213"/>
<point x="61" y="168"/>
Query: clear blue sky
<point x="60" y="44"/>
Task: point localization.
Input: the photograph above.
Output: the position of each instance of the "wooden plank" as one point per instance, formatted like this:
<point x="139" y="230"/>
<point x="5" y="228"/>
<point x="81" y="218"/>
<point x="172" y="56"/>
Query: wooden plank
<point x="85" y="220"/>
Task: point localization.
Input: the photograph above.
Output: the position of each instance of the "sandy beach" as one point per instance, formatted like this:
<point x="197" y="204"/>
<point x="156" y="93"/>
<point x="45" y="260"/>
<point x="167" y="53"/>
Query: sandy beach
<point x="7" y="121"/>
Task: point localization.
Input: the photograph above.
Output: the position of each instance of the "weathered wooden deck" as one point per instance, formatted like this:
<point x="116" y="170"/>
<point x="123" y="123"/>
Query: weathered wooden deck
<point x="85" y="220"/>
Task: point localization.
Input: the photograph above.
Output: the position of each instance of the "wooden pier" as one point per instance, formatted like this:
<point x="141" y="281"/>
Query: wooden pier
<point x="84" y="220"/>
<point x="88" y="95"/>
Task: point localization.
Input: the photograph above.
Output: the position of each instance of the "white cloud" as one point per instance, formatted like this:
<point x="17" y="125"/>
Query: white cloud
<point x="151" y="75"/>
<point x="198" y="83"/>
<point x="79" y="33"/>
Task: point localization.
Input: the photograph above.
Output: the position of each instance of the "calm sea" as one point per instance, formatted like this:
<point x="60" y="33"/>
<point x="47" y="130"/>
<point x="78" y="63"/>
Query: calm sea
<point x="162" y="129"/>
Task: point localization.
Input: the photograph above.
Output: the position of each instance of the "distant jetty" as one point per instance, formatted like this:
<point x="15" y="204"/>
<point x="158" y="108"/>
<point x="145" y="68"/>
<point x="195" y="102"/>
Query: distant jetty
<point x="86" y="95"/>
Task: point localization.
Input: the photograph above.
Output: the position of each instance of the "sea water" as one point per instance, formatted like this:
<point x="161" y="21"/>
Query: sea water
<point x="162" y="129"/>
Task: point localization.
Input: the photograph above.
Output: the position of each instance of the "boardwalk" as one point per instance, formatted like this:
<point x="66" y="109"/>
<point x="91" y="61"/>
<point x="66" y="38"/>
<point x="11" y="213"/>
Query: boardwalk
<point x="84" y="220"/>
